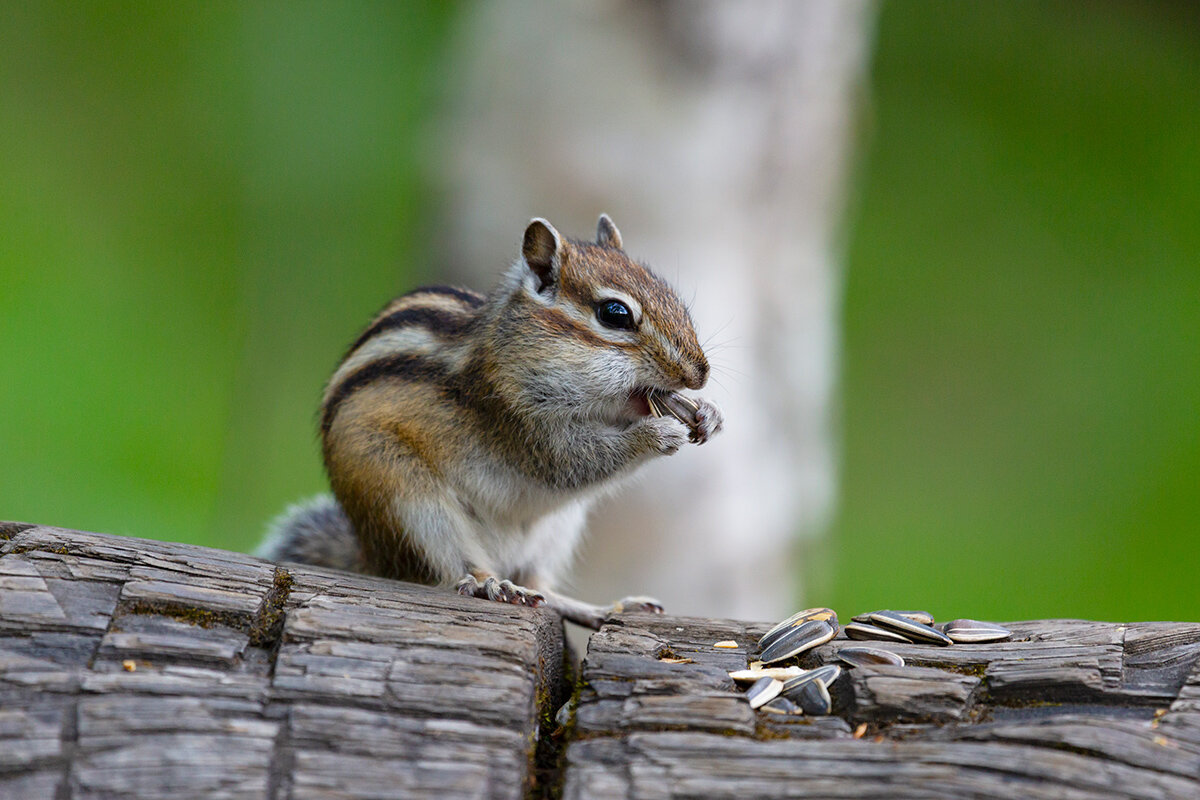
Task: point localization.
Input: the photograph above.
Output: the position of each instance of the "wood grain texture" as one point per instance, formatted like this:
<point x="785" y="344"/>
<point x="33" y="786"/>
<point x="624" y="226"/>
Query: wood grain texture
<point x="1066" y="709"/>
<point x="140" y="669"/>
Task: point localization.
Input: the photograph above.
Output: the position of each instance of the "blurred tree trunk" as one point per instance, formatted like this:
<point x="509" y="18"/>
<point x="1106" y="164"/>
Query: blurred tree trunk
<point x="716" y="135"/>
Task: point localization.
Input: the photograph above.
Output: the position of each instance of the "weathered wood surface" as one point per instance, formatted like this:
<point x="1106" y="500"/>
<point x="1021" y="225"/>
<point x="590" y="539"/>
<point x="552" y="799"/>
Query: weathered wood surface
<point x="1067" y="709"/>
<point x="139" y="669"/>
<point x="132" y="668"/>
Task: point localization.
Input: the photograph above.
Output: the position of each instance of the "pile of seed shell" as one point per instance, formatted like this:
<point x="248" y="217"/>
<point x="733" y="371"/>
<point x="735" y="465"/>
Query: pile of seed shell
<point x="792" y="690"/>
<point x="918" y="627"/>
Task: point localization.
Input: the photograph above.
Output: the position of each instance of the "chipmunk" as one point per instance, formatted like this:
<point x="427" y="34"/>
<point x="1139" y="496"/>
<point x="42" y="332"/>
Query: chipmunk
<point x="466" y="436"/>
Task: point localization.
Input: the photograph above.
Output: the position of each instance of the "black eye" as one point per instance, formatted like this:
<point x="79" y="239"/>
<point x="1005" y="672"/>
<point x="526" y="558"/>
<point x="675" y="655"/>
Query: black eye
<point x="615" y="314"/>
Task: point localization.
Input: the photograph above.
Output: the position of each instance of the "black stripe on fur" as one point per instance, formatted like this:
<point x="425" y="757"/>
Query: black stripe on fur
<point x="437" y="320"/>
<point x="405" y="367"/>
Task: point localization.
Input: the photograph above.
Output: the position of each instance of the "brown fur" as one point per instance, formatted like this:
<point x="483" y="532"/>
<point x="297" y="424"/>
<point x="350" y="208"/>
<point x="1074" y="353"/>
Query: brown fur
<point x="587" y="265"/>
<point x="383" y="439"/>
<point x="394" y="420"/>
<point x="555" y="323"/>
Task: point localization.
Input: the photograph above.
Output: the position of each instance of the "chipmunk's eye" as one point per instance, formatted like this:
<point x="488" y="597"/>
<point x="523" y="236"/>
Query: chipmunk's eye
<point x="615" y="314"/>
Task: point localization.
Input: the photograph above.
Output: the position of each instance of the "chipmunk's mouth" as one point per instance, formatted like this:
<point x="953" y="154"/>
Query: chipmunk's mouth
<point x="638" y="404"/>
<point x="647" y="402"/>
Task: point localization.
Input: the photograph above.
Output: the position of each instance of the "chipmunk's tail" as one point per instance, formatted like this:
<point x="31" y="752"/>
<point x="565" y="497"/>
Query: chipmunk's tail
<point x="315" y="532"/>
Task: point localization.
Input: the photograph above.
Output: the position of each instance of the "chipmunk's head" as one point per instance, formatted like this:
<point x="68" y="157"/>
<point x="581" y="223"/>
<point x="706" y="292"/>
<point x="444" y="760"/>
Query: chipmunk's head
<point x="613" y="327"/>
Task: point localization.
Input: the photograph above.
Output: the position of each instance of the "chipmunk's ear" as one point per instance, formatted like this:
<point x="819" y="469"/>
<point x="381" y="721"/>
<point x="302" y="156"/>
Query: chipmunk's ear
<point x="607" y="234"/>
<point x="542" y="250"/>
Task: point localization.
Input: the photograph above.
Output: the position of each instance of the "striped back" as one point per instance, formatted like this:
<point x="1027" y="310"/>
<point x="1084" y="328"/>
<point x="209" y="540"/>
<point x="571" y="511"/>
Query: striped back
<point x="407" y="339"/>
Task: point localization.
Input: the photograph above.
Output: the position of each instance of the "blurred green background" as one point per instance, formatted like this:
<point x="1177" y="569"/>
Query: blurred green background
<point x="200" y="205"/>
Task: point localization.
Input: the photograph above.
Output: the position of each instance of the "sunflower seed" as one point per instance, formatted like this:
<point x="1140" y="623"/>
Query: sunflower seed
<point x="781" y="705"/>
<point x="799" y="618"/>
<point x="969" y="630"/>
<point x="826" y="674"/>
<point x="914" y="631"/>
<point x="813" y="698"/>
<point x="923" y="617"/>
<point x="763" y="691"/>
<point x="861" y="630"/>
<point x="869" y="657"/>
<point x="778" y="673"/>
<point x="681" y="408"/>
<point x="796" y="640"/>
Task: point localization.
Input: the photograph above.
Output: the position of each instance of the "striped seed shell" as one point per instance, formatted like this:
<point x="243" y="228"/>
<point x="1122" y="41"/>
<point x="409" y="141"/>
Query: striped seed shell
<point x="795" y="641"/>
<point x="862" y="630"/>
<point x="967" y="631"/>
<point x="799" y="618"/>
<point x="869" y="657"/>
<point x="681" y="408"/>
<point x="781" y="705"/>
<point x="914" y="631"/>
<point x="827" y="674"/>
<point x="763" y="691"/>
<point x="813" y="698"/>
<point x="923" y="617"/>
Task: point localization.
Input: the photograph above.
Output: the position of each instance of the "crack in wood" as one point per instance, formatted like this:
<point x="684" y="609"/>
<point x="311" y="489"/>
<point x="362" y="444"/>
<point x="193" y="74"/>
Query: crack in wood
<point x="10" y="529"/>
<point x="282" y="759"/>
<point x="266" y="630"/>
<point x="69" y="744"/>
<point x="554" y="677"/>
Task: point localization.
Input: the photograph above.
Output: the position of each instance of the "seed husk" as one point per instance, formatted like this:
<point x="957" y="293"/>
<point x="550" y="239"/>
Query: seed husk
<point x="681" y="408"/>
<point x="969" y="631"/>
<point x="914" y="631"/>
<point x="827" y="674"/>
<point x="813" y="698"/>
<point x="763" y="691"/>
<point x="778" y="673"/>
<point x="799" y="618"/>
<point x="796" y="640"/>
<point x="862" y="630"/>
<point x="923" y="617"/>
<point x="869" y="657"/>
<point x="781" y="705"/>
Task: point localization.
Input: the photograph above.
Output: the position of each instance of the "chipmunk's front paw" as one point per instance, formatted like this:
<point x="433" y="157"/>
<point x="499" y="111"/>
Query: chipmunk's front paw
<point x="709" y="421"/>
<point x="637" y="603"/>
<point x="666" y="434"/>
<point x="500" y="591"/>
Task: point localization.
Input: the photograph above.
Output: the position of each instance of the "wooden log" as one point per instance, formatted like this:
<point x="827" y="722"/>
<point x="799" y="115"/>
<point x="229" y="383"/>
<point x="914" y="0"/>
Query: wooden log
<point x="1065" y="709"/>
<point x="140" y="669"/>
<point x="132" y="668"/>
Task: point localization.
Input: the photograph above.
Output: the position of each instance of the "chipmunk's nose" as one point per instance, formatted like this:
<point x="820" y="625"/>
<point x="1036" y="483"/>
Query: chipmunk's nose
<point x="695" y="374"/>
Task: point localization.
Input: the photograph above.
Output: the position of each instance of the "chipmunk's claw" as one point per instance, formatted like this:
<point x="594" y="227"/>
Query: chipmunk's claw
<point x="709" y="422"/>
<point x="468" y="586"/>
<point x="500" y="591"/>
<point x="508" y="592"/>
<point x="637" y="603"/>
